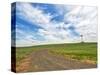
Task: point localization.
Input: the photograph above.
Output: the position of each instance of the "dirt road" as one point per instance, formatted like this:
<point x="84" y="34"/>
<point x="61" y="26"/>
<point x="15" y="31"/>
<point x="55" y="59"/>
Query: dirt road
<point x="43" y="60"/>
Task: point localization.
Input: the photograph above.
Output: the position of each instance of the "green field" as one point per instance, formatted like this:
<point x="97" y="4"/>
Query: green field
<point x="78" y="51"/>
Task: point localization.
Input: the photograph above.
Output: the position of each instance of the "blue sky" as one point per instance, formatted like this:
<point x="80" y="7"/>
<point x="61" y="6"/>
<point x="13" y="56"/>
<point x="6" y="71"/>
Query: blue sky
<point x="38" y="23"/>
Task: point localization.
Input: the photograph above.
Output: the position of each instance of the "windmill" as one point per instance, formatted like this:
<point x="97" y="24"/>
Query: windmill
<point x="81" y="36"/>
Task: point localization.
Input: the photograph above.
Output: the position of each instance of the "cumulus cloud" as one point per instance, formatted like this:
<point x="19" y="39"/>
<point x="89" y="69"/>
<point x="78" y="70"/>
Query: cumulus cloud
<point x="76" y="21"/>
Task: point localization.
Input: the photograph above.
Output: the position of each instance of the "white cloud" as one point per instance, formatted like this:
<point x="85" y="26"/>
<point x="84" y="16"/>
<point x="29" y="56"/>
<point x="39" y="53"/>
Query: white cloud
<point x="83" y="18"/>
<point x="32" y="14"/>
<point x="25" y="39"/>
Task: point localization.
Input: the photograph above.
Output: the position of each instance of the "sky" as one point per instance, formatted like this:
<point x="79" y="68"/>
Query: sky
<point x="38" y="23"/>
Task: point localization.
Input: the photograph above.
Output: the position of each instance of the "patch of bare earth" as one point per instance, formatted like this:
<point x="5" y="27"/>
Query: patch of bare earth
<point x="24" y="65"/>
<point x="89" y="61"/>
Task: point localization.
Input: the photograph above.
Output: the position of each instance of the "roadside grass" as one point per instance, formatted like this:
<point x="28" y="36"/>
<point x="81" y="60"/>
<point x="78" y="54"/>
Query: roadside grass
<point x="78" y="51"/>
